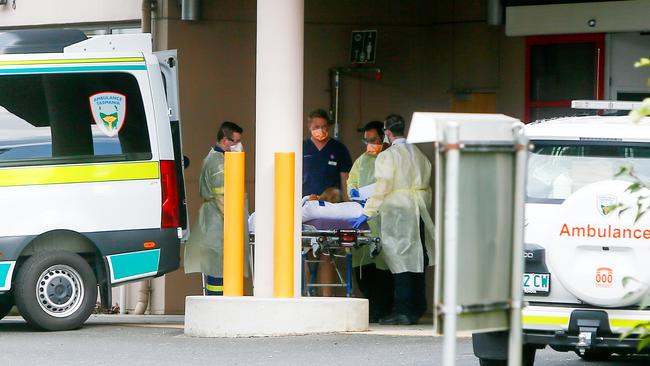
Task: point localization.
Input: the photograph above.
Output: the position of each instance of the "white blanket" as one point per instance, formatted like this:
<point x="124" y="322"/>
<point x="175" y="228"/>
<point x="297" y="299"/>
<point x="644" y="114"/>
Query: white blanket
<point x="312" y="210"/>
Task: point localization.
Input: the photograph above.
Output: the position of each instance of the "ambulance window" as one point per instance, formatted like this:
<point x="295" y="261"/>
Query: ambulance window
<point x="71" y="118"/>
<point x="556" y="169"/>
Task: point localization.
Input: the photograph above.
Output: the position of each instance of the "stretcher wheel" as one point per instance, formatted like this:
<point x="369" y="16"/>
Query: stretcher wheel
<point x="375" y="248"/>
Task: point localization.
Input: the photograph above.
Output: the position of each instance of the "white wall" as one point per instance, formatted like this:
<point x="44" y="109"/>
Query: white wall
<point x="622" y="50"/>
<point x="607" y="17"/>
<point x="49" y="12"/>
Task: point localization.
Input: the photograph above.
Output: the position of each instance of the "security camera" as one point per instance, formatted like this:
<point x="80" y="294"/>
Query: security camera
<point x="591" y="23"/>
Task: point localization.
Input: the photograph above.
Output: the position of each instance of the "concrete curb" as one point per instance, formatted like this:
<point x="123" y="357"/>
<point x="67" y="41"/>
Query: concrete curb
<point x="220" y="316"/>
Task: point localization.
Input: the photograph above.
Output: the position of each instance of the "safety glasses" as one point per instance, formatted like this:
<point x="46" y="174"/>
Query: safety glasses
<point x="373" y="140"/>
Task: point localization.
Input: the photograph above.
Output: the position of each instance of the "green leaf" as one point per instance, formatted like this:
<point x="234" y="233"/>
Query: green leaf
<point x="644" y="61"/>
<point x="620" y="212"/>
<point x="639" y="215"/>
<point x="634" y="187"/>
<point x="622" y="170"/>
<point x="644" y="342"/>
<point x="645" y="302"/>
<point x="627" y="279"/>
<point x="636" y="328"/>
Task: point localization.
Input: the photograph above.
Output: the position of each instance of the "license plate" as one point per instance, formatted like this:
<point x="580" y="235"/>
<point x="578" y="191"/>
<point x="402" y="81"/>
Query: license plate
<point x="537" y="283"/>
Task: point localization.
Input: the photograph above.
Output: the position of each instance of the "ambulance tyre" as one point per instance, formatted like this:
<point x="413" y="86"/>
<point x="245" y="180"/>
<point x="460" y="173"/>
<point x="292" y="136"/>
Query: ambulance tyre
<point x="55" y="290"/>
<point x="6" y="303"/>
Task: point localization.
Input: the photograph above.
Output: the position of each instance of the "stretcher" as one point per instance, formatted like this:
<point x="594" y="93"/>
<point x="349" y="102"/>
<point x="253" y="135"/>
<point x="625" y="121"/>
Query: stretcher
<point x="329" y="239"/>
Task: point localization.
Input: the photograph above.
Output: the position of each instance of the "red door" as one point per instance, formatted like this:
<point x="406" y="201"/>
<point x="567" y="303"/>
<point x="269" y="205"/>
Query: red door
<point x="560" y="69"/>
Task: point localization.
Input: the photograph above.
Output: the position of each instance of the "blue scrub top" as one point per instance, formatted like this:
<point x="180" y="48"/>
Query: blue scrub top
<point x="322" y="169"/>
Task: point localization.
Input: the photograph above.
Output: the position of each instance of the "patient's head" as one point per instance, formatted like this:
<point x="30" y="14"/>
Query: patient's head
<point x="332" y="195"/>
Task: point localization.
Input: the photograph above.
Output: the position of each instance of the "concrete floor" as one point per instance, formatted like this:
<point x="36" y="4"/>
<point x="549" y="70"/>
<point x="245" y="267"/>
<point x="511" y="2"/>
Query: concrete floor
<point x="159" y="341"/>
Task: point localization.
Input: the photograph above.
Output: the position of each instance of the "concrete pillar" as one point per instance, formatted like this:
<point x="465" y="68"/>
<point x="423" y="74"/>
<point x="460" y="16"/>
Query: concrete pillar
<point x="278" y="129"/>
<point x="278" y="124"/>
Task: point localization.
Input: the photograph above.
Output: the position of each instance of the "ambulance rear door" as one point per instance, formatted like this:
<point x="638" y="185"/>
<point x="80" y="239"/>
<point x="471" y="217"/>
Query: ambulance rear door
<point x="168" y="61"/>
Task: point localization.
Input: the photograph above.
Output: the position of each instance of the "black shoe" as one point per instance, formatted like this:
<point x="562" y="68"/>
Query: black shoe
<point x="396" y="319"/>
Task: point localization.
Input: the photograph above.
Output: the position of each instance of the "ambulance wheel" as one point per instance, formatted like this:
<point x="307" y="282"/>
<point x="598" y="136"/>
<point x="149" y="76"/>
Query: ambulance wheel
<point x="55" y="290"/>
<point x="6" y="303"/>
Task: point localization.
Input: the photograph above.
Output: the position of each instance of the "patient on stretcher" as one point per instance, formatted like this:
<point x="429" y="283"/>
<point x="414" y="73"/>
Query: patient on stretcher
<point x="328" y="206"/>
<point x="325" y="211"/>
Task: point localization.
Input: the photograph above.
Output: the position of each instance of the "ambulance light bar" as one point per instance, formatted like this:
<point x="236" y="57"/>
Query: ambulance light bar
<point x="605" y="104"/>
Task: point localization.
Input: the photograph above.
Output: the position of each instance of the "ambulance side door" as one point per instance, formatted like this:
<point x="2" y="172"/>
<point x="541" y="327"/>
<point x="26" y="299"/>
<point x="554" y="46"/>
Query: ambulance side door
<point x="168" y="61"/>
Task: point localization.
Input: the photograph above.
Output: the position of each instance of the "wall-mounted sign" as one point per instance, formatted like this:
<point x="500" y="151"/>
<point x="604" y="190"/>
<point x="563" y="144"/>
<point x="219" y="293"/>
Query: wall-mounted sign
<point x="363" y="47"/>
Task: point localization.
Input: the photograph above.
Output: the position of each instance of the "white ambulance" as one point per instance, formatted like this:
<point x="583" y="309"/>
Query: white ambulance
<point x="91" y="174"/>
<point x="587" y="253"/>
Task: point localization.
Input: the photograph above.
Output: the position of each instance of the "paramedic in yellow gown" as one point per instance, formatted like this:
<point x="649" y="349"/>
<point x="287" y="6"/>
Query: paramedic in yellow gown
<point x="374" y="279"/>
<point x="402" y="198"/>
<point x="204" y="248"/>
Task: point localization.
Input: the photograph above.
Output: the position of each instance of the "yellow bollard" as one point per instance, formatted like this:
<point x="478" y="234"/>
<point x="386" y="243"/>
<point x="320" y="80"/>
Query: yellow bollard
<point x="233" y="224"/>
<point x="283" y="225"/>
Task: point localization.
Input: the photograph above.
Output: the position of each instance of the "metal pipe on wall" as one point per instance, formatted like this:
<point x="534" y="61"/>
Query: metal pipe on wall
<point x="191" y="10"/>
<point x="495" y="12"/>
<point x="146" y="16"/>
<point x="123" y="299"/>
<point x="335" y="84"/>
<point x="144" y="287"/>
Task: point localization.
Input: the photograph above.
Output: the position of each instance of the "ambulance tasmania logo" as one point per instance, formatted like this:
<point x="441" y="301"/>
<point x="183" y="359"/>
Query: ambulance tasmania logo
<point x="108" y="110"/>
<point x="606" y="204"/>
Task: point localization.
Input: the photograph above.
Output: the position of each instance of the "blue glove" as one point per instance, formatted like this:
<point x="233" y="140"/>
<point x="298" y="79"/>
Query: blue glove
<point x="356" y="223"/>
<point x="354" y="193"/>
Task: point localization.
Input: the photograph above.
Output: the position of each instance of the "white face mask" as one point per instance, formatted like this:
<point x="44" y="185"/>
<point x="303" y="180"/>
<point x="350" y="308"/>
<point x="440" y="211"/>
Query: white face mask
<point x="238" y="147"/>
<point x="386" y="140"/>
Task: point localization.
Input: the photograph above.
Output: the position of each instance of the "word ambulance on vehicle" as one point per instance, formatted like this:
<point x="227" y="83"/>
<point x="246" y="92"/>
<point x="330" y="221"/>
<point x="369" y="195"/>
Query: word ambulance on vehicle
<point x="91" y="174"/>
<point x="586" y="241"/>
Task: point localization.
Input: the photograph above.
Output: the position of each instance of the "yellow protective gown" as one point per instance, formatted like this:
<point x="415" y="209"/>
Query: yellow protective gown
<point x="401" y="198"/>
<point x="204" y="248"/>
<point x="363" y="174"/>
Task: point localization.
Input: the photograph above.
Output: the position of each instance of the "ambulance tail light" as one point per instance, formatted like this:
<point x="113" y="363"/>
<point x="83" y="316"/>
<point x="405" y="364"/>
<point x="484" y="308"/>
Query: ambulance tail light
<point x="170" y="209"/>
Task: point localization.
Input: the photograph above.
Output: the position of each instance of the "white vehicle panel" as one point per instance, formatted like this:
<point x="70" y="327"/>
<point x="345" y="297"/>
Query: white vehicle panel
<point x="590" y="127"/>
<point x="157" y="92"/>
<point x="537" y="232"/>
<point x="81" y="207"/>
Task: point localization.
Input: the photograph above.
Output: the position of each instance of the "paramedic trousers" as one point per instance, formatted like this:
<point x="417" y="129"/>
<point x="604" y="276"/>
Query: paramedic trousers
<point x="377" y="286"/>
<point x="213" y="286"/>
<point x="410" y="298"/>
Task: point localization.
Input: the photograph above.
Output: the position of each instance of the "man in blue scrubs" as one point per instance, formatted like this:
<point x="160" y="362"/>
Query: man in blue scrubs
<point x="325" y="162"/>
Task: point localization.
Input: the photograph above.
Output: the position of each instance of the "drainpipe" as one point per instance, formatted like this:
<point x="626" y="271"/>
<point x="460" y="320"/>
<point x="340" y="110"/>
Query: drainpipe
<point x="122" y="299"/>
<point x="146" y="16"/>
<point x="144" y="287"/>
<point x="191" y="10"/>
<point x="335" y="83"/>
<point x="144" y="295"/>
<point x="495" y="12"/>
